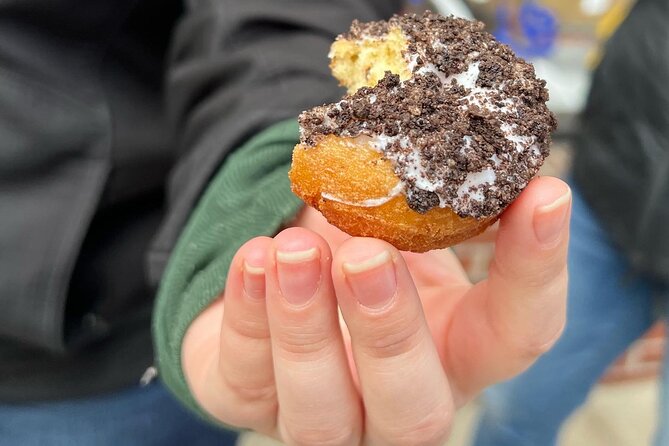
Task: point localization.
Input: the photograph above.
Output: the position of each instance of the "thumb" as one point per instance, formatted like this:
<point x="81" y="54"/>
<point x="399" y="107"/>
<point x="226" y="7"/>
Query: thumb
<point x="527" y="282"/>
<point x="516" y="314"/>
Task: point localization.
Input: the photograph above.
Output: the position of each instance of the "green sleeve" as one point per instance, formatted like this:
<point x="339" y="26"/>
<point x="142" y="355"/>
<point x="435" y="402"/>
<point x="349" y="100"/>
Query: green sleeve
<point x="249" y="197"/>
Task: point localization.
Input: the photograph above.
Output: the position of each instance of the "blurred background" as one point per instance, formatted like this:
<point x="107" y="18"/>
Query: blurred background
<point x="563" y="40"/>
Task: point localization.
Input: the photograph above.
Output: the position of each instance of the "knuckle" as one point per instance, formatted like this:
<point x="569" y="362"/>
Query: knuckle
<point x="433" y="429"/>
<point x="250" y="328"/>
<point x="529" y="348"/>
<point x="536" y="317"/>
<point x="532" y="275"/>
<point x="539" y="347"/>
<point x="240" y="406"/>
<point x="546" y="273"/>
<point x="251" y="416"/>
<point x="303" y="344"/>
<point x="248" y="392"/>
<point x="392" y="339"/>
<point x="323" y="436"/>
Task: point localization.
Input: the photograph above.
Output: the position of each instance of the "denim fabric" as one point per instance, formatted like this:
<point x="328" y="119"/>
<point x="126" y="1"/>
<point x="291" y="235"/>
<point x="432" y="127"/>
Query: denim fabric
<point x="609" y="307"/>
<point x="141" y="416"/>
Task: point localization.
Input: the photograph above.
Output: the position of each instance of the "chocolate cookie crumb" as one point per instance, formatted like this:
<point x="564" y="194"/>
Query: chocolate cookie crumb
<point x="422" y="201"/>
<point x="468" y="130"/>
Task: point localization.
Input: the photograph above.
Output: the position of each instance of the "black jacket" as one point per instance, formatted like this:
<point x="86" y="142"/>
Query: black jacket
<point x="622" y="157"/>
<point x="114" y="114"/>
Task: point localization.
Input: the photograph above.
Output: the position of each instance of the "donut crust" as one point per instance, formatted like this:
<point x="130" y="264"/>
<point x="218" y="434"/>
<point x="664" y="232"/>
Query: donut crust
<point x="337" y="175"/>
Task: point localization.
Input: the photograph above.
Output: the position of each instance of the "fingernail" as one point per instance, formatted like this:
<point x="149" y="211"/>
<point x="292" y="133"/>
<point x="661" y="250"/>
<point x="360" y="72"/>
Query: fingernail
<point x="372" y="281"/>
<point x="550" y="219"/>
<point x="299" y="274"/>
<point x="254" y="281"/>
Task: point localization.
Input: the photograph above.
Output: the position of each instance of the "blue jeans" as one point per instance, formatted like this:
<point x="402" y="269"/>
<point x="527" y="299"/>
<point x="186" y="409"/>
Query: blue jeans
<point x="609" y="308"/>
<point x="146" y="416"/>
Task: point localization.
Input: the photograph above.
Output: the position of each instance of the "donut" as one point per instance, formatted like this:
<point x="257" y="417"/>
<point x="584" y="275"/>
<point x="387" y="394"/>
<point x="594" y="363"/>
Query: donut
<point x="441" y="129"/>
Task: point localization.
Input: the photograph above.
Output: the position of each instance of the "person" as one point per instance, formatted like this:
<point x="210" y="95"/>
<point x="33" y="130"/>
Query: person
<point x="247" y="325"/>
<point x="113" y="118"/>
<point x="619" y="251"/>
<point x="140" y="133"/>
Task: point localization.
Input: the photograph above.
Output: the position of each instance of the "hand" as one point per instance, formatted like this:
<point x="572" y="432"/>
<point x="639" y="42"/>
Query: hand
<point x="419" y="340"/>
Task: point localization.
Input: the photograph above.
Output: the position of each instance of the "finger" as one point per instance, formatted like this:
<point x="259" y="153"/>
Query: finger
<point x="505" y="322"/>
<point x="436" y="268"/>
<point x="317" y="399"/>
<point x="237" y="385"/>
<point x="487" y="236"/>
<point x="313" y="220"/>
<point x="405" y="391"/>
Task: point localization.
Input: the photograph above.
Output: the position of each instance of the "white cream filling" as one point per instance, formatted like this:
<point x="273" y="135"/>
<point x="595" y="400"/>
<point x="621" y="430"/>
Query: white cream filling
<point x="382" y="141"/>
<point x="521" y="142"/>
<point x="412" y="62"/>
<point x="438" y="45"/>
<point x="411" y="162"/>
<point x="473" y="182"/>
<point x="328" y="121"/>
<point x="466" y="144"/>
<point x="431" y="68"/>
<point x="415" y="171"/>
<point x="371" y="202"/>
<point x="467" y="78"/>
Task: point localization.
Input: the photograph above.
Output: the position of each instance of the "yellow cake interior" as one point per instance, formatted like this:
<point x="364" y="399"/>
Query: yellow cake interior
<point x="364" y="62"/>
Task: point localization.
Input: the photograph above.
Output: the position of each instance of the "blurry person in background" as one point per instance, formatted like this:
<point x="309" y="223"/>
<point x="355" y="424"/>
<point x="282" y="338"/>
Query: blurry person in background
<point x="619" y="247"/>
<point x="133" y="132"/>
<point x="114" y="115"/>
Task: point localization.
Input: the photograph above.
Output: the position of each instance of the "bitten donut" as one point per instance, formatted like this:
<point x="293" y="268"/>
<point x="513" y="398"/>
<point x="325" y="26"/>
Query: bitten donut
<point x="440" y="131"/>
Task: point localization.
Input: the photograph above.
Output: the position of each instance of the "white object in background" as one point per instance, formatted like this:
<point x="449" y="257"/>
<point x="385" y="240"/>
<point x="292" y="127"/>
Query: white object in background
<point x="568" y="85"/>
<point x="595" y="7"/>
<point x="564" y="70"/>
<point x="456" y="7"/>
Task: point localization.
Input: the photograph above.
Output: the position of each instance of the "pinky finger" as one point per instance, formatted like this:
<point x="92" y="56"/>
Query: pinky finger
<point x="237" y="384"/>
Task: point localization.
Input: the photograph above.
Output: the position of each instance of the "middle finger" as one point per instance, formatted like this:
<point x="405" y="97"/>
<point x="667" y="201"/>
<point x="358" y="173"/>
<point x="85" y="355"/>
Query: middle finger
<point x="318" y="403"/>
<point x="406" y="393"/>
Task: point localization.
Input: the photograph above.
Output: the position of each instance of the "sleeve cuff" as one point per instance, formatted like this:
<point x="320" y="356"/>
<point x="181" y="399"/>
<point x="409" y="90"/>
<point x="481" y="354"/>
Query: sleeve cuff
<point x="249" y="197"/>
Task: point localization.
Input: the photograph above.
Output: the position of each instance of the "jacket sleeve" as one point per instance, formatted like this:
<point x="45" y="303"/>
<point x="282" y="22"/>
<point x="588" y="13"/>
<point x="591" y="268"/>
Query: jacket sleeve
<point x="621" y="162"/>
<point x="250" y="196"/>
<point x="237" y="68"/>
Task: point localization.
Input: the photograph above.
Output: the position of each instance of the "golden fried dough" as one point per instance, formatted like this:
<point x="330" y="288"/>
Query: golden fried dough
<point x="350" y="174"/>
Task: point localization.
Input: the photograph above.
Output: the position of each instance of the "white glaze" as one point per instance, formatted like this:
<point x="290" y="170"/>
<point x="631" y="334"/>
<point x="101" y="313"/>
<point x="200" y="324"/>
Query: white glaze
<point x="431" y="68"/>
<point x="382" y="141"/>
<point x="467" y="78"/>
<point x="521" y="142"/>
<point x="472" y="184"/>
<point x="414" y="170"/>
<point x="477" y="96"/>
<point x="371" y="202"/>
